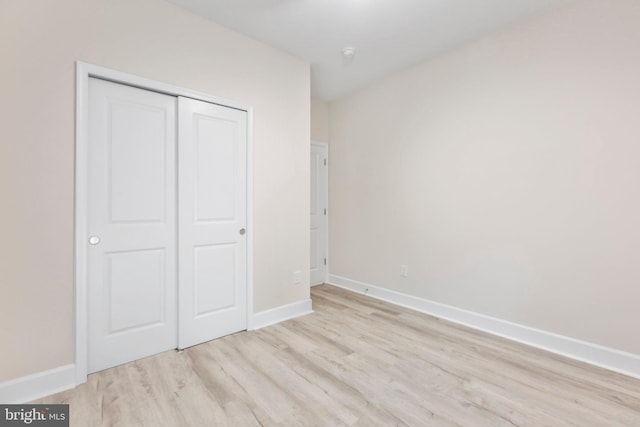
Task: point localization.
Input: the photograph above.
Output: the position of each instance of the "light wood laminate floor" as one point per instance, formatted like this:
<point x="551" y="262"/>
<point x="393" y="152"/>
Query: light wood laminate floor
<point x="361" y="362"/>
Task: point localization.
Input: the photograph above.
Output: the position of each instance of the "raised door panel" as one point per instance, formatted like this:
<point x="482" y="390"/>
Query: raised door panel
<point x="134" y="279"/>
<point x="134" y="151"/>
<point x="214" y="272"/>
<point x="216" y="151"/>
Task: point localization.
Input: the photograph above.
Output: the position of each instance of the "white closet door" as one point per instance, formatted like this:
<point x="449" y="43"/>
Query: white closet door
<point x="318" y="208"/>
<point x="212" y="211"/>
<point x="132" y="224"/>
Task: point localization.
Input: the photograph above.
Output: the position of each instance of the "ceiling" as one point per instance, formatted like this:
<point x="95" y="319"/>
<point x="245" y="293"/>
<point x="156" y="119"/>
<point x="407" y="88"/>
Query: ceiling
<point x="388" y="35"/>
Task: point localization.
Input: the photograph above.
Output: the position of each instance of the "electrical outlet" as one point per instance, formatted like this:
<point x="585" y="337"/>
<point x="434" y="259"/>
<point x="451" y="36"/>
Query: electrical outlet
<point x="297" y="277"/>
<point x="404" y="270"/>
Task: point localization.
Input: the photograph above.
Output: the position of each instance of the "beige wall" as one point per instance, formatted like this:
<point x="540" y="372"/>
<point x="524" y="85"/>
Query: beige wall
<point x="319" y="120"/>
<point x="39" y="42"/>
<point x="505" y="174"/>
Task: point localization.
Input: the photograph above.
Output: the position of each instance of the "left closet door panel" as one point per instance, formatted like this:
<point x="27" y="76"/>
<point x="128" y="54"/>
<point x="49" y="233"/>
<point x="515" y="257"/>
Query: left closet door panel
<point x="132" y="262"/>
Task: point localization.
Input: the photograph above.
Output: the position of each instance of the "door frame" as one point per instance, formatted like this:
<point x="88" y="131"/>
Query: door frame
<point x="83" y="72"/>
<point x="325" y="146"/>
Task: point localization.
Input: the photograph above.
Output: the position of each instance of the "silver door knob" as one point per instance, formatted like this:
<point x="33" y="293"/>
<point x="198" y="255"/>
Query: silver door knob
<point x="242" y="231"/>
<point x="94" y="240"/>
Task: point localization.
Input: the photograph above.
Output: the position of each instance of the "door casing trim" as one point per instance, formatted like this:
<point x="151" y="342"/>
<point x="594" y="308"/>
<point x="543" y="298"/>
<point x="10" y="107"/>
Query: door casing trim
<point x="83" y="72"/>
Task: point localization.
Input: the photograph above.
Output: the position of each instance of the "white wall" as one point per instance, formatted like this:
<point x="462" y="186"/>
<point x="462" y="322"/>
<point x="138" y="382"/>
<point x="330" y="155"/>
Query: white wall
<point x="505" y="174"/>
<point x="319" y="120"/>
<point x="40" y="41"/>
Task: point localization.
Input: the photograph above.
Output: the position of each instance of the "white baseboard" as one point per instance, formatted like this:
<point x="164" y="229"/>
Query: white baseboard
<point x="604" y="357"/>
<point x="282" y="313"/>
<point x="46" y="383"/>
<point x="38" y="385"/>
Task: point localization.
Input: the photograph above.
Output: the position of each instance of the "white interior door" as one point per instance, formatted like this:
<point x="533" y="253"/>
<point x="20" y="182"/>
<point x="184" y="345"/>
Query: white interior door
<point x="213" y="215"/>
<point x="319" y="191"/>
<point x="132" y="223"/>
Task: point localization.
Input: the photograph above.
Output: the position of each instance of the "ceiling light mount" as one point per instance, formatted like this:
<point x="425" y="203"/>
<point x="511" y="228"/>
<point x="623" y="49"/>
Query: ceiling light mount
<point x="348" y="52"/>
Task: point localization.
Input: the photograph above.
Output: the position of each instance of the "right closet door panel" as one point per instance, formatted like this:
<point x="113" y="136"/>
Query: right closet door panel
<point x="212" y="212"/>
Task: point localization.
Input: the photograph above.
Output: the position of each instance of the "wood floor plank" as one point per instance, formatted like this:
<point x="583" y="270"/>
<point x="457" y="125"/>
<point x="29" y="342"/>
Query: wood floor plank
<point x="356" y="361"/>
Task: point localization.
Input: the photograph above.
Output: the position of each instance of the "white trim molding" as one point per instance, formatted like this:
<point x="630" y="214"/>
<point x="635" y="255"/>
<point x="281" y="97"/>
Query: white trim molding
<point x="282" y="313"/>
<point x="38" y="385"/>
<point x="594" y="354"/>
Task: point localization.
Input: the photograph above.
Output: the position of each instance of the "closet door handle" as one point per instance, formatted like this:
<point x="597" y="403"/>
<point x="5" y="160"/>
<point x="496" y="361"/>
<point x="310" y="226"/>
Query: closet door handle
<point x="242" y="231"/>
<point x="94" y="240"/>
